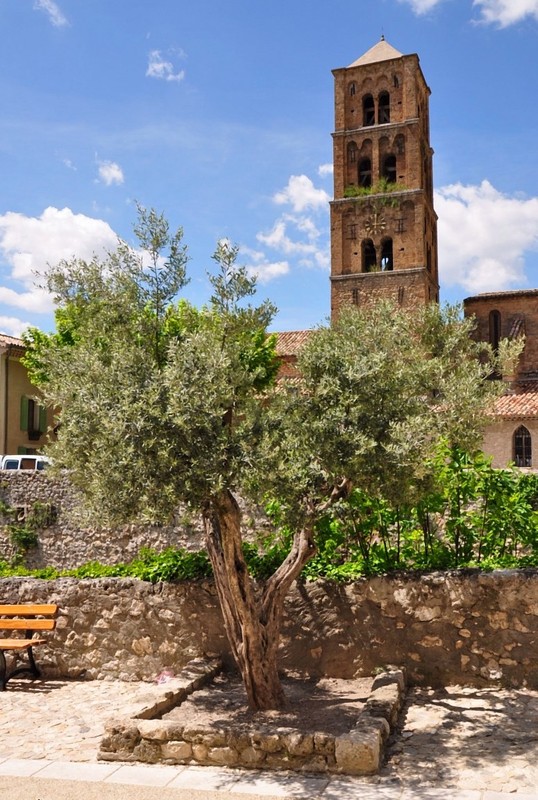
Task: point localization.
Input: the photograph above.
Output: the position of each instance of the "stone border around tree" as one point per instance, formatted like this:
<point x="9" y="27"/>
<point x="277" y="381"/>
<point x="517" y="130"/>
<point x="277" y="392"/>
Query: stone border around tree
<point x="144" y="738"/>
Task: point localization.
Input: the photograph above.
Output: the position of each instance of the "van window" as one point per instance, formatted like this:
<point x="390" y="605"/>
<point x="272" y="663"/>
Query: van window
<point x="24" y="462"/>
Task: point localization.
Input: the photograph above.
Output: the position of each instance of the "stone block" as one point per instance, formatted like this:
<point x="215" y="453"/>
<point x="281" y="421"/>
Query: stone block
<point x="216" y="738"/>
<point x="149" y="752"/>
<point x="390" y="676"/>
<point x="324" y="744"/>
<point x="269" y="743"/>
<point x="250" y="757"/>
<point x="223" y="756"/>
<point x="316" y="763"/>
<point x="299" y="744"/>
<point x="177" y="751"/>
<point x="385" y="702"/>
<point x="358" y="752"/>
<point x="199" y="752"/>
<point x="153" y="730"/>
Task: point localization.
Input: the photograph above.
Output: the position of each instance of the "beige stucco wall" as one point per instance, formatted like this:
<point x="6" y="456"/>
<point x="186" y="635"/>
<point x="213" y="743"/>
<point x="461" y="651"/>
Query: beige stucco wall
<point x="499" y="436"/>
<point x="14" y="384"/>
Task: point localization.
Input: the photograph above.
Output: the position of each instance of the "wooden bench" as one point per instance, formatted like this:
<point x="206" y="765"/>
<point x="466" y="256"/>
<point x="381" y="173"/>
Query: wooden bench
<point x="30" y="619"/>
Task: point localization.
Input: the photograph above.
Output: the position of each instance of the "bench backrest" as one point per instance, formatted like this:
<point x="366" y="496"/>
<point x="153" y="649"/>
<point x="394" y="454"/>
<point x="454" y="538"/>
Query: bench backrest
<point x="25" y="617"/>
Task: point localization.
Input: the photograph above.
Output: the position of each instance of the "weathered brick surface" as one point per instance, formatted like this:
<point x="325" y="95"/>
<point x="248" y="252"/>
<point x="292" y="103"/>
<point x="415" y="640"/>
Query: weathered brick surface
<point x="512" y="306"/>
<point x="406" y="217"/>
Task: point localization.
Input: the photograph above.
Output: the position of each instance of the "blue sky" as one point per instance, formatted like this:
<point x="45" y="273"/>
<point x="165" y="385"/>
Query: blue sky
<point x="220" y="115"/>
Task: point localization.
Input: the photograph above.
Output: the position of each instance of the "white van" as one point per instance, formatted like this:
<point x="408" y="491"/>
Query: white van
<point x="24" y="462"/>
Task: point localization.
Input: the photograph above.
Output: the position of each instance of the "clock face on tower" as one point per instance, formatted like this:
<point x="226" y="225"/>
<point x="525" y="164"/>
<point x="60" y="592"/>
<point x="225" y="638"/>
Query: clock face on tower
<point x="375" y="224"/>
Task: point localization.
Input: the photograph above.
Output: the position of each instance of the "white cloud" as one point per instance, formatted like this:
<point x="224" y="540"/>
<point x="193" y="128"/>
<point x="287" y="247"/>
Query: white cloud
<point x="301" y="194"/>
<point x="308" y="243"/>
<point x="263" y="269"/>
<point x="507" y="12"/>
<point x="69" y="164"/>
<point x="28" y="244"/>
<point x="325" y="169"/>
<point x="13" y="326"/>
<point x="159" y="68"/>
<point x="51" y="8"/>
<point x="295" y="235"/>
<point x="483" y="236"/>
<point x="422" y="6"/>
<point x="110" y="173"/>
<point x="497" y="12"/>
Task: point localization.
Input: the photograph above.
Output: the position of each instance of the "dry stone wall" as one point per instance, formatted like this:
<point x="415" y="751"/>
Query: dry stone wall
<point x="444" y="628"/>
<point x="71" y="539"/>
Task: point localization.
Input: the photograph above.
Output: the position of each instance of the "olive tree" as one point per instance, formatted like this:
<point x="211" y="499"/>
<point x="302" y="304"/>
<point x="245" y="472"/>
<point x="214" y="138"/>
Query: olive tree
<point x="160" y="403"/>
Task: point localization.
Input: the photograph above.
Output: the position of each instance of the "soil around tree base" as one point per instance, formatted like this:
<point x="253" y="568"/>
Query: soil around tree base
<point x="325" y="705"/>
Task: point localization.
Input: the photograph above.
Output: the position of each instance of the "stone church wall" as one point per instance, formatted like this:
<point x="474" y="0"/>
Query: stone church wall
<point x="445" y="628"/>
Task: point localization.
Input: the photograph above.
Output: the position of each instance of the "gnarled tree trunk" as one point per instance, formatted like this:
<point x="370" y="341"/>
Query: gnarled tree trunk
<point x="252" y="619"/>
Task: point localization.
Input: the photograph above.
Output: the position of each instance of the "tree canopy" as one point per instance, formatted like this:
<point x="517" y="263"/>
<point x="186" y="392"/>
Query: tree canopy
<point x="161" y="403"/>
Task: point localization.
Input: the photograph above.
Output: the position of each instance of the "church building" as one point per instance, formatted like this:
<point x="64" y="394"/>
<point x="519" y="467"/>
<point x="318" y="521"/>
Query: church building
<point x="384" y="231"/>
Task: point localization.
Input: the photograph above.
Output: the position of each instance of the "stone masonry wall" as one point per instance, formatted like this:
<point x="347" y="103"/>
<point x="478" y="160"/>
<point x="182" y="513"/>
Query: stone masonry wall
<point x="465" y="628"/>
<point x="72" y="539"/>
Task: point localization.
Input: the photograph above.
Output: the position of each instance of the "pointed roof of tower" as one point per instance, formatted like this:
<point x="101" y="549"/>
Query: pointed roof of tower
<point x="382" y="51"/>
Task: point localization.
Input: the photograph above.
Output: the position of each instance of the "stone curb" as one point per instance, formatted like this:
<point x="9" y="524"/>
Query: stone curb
<point x="142" y="737"/>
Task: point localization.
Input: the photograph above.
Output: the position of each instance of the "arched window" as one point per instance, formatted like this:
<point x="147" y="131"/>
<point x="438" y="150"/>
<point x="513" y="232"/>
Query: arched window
<point x="368" y="110"/>
<point x="369" y="262"/>
<point x="365" y="172"/>
<point x="352" y="150"/>
<point x="386" y="255"/>
<point x="494" y="329"/>
<point x="522" y="447"/>
<point x="389" y="169"/>
<point x="352" y="89"/>
<point x="383" y="108"/>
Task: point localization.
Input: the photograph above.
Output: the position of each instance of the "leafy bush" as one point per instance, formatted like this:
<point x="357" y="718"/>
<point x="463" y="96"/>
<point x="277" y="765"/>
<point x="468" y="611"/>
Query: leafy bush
<point x="472" y="515"/>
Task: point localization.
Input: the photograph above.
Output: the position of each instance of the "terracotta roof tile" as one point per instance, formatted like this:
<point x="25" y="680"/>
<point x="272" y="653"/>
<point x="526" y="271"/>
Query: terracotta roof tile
<point x="522" y="403"/>
<point x="6" y="340"/>
<point x="290" y="342"/>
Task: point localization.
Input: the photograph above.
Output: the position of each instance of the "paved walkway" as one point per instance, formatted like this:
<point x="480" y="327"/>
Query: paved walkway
<point x="459" y="744"/>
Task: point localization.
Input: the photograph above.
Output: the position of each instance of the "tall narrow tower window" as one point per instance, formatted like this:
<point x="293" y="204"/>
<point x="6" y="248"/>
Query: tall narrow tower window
<point x="383" y="109"/>
<point x="352" y="89"/>
<point x="369" y="263"/>
<point x="368" y="110"/>
<point x="352" y="152"/>
<point x="386" y="256"/>
<point x="365" y="172"/>
<point x="389" y="169"/>
<point x="494" y="329"/>
<point x="522" y="447"/>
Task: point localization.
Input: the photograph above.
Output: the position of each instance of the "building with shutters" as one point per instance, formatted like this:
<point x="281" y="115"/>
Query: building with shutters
<point x="23" y="420"/>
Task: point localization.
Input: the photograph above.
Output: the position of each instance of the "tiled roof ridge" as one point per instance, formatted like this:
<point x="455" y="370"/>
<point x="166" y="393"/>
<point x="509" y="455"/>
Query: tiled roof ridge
<point x="289" y="342"/>
<point x="6" y="339"/>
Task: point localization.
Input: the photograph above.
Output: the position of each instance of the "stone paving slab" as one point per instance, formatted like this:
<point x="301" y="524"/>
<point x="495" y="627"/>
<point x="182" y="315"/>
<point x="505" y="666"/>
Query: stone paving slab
<point x="32" y="778"/>
<point x="455" y="744"/>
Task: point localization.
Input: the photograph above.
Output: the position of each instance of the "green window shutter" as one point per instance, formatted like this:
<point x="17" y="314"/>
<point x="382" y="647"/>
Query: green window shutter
<point x="42" y="419"/>
<point x="21" y="451"/>
<point x="24" y="413"/>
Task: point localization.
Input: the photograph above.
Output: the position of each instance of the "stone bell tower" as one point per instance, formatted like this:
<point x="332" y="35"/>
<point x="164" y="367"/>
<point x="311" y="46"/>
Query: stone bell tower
<point x="383" y="224"/>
